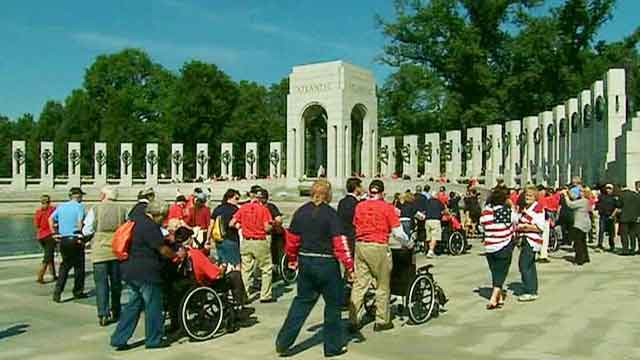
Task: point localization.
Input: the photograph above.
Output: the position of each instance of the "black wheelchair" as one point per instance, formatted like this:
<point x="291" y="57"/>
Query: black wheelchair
<point x="280" y="261"/>
<point x="422" y="297"/>
<point x="453" y="240"/>
<point x="207" y="309"/>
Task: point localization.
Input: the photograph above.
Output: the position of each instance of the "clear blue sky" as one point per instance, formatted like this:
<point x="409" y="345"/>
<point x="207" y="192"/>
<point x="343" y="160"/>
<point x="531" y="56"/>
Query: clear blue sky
<point x="45" y="46"/>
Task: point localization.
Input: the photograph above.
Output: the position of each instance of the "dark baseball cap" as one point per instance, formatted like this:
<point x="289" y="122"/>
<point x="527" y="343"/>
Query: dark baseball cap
<point x="376" y="186"/>
<point x="255" y="189"/>
<point x="76" y="191"/>
<point x="261" y="193"/>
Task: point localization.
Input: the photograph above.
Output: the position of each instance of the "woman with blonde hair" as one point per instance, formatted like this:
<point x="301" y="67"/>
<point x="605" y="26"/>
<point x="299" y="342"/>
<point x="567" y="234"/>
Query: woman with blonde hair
<point x="581" y="222"/>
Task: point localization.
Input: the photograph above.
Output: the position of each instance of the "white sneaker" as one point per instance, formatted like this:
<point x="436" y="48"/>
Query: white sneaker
<point x="430" y="254"/>
<point x="527" y="297"/>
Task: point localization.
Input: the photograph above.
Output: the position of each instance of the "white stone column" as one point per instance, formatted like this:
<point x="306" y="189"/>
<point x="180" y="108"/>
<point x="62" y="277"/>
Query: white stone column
<point x="177" y="162"/>
<point x="151" y="160"/>
<point x="332" y="151"/>
<point x="599" y="133"/>
<point x="615" y="94"/>
<point x="251" y="160"/>
<point x="454" y="166"/>
<point x="226" y="160"/>
<point x="564" y="144"/>
<point x="387" y="156"/>
<point x="548" y="153"/>
<point x="529" y="125"/>
<point x="19" y="165"/>
<point x="585" y="151"/>
<point x="73" y="160"/>
<point x="573" y="118"/>
<point x="126" y="164"/>
<point x="409" y="153"/>
<point x="512" y="153"/>
<point x="100" y="164"/>
<point x="370" y="161"/>
<point x="46" y="164"/>
<point x="202" y="161"/>
<point x="432" y="156"/>
<point x="629" y="160"/>
<point x="275" y="159"/>
<point x="538" y="141"/>
<point x="473" y="150"/>
<point x="494" y="153"/>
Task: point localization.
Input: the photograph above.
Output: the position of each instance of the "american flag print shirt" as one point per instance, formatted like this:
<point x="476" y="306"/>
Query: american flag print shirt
<point x="498" y="223"/>
<point x="533" y="215"/>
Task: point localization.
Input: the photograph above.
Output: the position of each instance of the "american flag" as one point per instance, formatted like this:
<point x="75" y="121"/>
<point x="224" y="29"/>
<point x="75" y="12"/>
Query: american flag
<point x="498" y="226"/>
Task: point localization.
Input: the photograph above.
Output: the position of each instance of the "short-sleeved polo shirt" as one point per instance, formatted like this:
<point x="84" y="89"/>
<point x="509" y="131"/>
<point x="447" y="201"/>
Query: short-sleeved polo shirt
<point x="316" y="225"/>
<point x="253" y="217"/>
<point x="374" y="220"/>
<point x="68" y="215"/>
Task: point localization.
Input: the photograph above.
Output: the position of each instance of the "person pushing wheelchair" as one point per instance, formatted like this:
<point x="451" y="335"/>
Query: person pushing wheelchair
<point x="374" y="221"/>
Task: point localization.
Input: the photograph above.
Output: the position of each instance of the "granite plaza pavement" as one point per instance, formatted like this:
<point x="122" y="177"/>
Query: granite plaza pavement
<point x="587" y="313"/>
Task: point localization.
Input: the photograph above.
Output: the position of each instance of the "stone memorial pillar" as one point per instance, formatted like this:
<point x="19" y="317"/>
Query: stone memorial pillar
<point x="275" y="159"/>
<point x="511" y="155"/>
<point x="151" y="165"/>
<point x="585" y="135"/>
<point x="454" y="165"/>
<point x="530" y="125"/>
<point x="19" y="167"/>
<point x="251" y="160"/>
<point x="126" y="164"/>
<point x="628" y="161"/>
<point x="615" y="94"/>
<point x="473" y="152"/>
<point x="599" y="138"/>
<point x="226" y="160"/>
<point x="431" y="156"/>
<point x="573" y="117"/>
<point x="202" y="161"/>
<point x="387" y="156"/>
<point x="177" y="162"/>
<point x="538" y="142"/>
<point x="493" y="152"/>
<point x="548" y="154"/>
<point x="409" y="152"/>
<point x="46" y="164"/>
<point x="100" y="164"/>
<point x="73" y="161"/>
<point x="564" y="144"/>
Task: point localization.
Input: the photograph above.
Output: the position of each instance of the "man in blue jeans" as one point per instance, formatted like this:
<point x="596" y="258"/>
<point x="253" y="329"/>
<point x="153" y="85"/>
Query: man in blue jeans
<point x="141" y="273"/>
<point x="101" y="222"/>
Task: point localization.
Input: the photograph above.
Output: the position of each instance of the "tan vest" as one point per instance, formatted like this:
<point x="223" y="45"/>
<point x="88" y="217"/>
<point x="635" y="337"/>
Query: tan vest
<point x="108" y="215"/>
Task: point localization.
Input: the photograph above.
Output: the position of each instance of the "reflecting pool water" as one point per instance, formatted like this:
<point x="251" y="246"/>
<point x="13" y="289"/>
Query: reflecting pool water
<point x="17" y="236"/>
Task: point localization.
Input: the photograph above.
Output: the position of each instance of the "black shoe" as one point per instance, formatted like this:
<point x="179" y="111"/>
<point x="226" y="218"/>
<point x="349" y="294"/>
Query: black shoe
<point x="82" y="295"/>
<point x="122" y="347"/>
<point x="340" y="352"/>
<point x="382" y="327"/>
<point x="246" y="312"/>
<point x="161" y="345"/>
<point x="268" y="301"/>
<point x="282" y="352"/>
<point x="57" y="299"/>
<point x="103" y="321"/>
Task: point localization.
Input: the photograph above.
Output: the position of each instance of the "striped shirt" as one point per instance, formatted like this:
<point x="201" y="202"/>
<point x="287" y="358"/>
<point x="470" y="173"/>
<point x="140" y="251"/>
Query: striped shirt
<point x="498" y="225"/>
<point x="533" y="215"/>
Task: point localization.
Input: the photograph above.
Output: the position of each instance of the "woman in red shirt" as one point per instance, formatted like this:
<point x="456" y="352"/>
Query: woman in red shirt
<point x="45" y="237"/>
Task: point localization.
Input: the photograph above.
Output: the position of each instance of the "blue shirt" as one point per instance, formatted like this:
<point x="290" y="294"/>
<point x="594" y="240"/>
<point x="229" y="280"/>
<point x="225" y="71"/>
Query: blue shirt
<point x="68" y="215"/>
<point x="575" y="192"/>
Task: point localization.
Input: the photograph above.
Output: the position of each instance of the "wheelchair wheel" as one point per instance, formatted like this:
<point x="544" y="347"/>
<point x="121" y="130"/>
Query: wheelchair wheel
<point x="288" y="276"/>
<point x="554" y="244"/>
<point x="201" y="313"/>
<point x="457" y="243"/>
<point x="421" y="299"/>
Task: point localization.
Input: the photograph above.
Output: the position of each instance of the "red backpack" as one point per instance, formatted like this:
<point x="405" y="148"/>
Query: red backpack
<point x="121" y="241"/>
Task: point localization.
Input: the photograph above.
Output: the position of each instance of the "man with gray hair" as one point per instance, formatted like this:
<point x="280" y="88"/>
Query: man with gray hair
<point x="102" y="221"/>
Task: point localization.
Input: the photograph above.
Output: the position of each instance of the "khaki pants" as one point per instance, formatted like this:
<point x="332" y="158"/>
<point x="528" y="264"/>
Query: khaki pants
<point x="434" y="232"/>
<point x="373" y="262"/>
<point x="257" y="253"/>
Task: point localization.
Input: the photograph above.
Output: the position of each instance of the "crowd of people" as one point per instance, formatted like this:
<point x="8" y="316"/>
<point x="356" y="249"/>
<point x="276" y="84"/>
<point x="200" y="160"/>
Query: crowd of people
<point x="338" y="253"/>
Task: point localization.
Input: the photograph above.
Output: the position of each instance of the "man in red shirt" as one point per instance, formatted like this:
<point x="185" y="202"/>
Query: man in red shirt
<point x="374" y="221"/>
<point x="177" y="211"/>
<point x="200" y="216"/>
<point x="45" y="237"/>
<point x="254" y="220"/>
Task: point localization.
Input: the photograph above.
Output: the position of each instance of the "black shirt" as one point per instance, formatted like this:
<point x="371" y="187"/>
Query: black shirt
<point x="138" y="211"/>
<point x="317" y="226"/>
<point x="346" y="211"/>
<point x="607" y="204"/>
<point x="630" y="206"/>
<point x="420" y="202"/>
<point x="273" y="209"/>
<point x="145" y="262"/>
<point x="407" y="210"/>
<point x="226" y="212"/>
<point x="434" y="209"/>
<point x="454" y="206"/>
